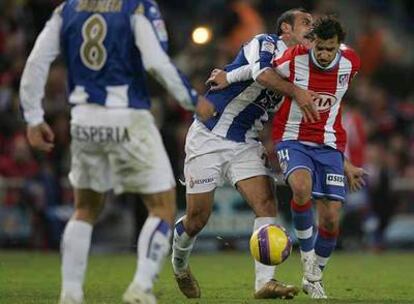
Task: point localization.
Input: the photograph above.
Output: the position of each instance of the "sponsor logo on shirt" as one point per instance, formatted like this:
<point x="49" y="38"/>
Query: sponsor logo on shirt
<point x="325" y="102"/>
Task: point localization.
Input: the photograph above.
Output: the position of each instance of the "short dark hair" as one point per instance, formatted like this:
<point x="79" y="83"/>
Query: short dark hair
<point x="289" y="18"/>
<point x="327" y="27"/>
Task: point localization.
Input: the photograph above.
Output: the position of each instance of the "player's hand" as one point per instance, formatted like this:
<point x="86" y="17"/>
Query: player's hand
<point x="305" y="100"/>
<point x="217" y="80"/>
<point x="205" y="109"/>
<point x="355" y="176"/>
<point x="41" y="137"/>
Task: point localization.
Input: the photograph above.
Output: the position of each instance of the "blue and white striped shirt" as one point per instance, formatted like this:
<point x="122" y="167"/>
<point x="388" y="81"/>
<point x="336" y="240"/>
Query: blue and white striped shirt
<point x="107" y="45"/>
<point x="243" y="106"/>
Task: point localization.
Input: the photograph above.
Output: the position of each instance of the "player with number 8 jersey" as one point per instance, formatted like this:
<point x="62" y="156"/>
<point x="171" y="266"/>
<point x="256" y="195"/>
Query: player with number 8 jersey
<point x="108" y="45"/>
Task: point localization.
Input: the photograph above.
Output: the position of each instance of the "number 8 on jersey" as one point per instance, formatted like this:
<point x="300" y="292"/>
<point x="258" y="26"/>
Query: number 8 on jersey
<point x="92" y="51"/>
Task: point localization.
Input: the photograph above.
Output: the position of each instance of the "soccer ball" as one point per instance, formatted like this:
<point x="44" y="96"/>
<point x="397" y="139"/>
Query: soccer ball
<point x="270" y="245"/>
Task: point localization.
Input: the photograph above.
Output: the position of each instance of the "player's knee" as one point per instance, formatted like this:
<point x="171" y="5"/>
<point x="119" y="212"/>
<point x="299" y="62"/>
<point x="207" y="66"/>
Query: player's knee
<point x="301" y="185"/>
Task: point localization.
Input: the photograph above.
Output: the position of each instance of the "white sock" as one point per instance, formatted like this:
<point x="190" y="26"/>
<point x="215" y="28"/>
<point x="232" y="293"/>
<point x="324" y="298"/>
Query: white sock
<point x="322" y="262"/>
<point x="153" y="247"/>
<point x="307" y="255"/>
<point x="75" y="246"/>
<point x="264" y="273"/>
<point x="182" y="247"/>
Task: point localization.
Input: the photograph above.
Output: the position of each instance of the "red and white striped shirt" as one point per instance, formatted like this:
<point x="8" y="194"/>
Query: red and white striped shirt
<point x="299" y="66"/>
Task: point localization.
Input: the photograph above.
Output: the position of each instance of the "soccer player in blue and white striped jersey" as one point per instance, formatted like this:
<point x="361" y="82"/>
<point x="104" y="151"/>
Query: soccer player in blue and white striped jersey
<point x="107" y="46"/>
<point x="226" y="148"/>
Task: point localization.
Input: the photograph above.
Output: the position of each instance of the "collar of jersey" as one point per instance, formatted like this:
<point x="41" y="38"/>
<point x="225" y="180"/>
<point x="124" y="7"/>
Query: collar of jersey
<point x="331" y="66"/>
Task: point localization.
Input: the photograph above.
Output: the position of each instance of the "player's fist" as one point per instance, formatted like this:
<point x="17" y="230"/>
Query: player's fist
<point x="41" y="137"/>
<point x="205" y="109"/>
<point x="217" y="80"/>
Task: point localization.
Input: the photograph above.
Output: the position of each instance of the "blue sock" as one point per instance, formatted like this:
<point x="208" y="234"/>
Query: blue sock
<point x="302" y="216"/>
<point x="324" y="246"/>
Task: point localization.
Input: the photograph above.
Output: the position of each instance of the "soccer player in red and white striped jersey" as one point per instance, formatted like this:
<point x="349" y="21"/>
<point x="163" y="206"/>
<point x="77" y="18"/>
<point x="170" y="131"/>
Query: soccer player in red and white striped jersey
<point x="330" y="79"/>
<point x="311" y="154"/>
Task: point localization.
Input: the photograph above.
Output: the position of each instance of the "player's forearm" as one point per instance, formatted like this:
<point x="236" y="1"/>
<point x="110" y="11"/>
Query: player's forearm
<point x="31" y="93"/>
<point x="242" y="73"/>
<point x="176" y="84"/>
<point x="273" y="81"/>
<point x="158" y="63"/>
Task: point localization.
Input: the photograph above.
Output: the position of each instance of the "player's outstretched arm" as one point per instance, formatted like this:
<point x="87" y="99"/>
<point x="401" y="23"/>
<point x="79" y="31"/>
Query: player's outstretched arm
<point x="33" y="81"/>
<point x="220" y="79"/>
<point x="258" y="53"/>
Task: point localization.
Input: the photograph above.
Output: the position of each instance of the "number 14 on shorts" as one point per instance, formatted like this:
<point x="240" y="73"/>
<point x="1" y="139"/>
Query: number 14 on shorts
<point x="283" y="155"/>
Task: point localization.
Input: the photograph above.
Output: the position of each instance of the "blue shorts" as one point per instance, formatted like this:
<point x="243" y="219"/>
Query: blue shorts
<point x="325" y="164"/>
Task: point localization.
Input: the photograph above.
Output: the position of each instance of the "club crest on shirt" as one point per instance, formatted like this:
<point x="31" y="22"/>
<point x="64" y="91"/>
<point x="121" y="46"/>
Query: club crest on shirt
<point x="159" y="27"/>
<point x="325" y="102"/>
<point x="191" y="183"/>
<point x="343" y="80"/>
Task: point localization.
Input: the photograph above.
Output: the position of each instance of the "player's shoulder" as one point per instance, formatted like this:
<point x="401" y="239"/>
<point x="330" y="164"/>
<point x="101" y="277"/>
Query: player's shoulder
<point x="267" y="37"/>
<point x="292" y="52"/>
<point x="350" y="54"/>
<point x="149" y="8"/>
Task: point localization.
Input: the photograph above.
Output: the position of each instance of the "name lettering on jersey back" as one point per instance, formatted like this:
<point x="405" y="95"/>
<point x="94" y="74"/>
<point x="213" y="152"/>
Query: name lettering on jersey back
<point x="325" y="102"/>
<point x="99" y="6"/>
<point x="100" y="134"/>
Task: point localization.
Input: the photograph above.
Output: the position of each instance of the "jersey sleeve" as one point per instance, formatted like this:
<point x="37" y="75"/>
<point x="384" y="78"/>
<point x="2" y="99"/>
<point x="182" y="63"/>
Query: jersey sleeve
<point x="152" y="41"/>
<point x="352" y="56"/>
<point x="259" y="54"/>
<point x="282" y="63"/>
<point x="35" y="73"/>
<point x="242" y="73"/>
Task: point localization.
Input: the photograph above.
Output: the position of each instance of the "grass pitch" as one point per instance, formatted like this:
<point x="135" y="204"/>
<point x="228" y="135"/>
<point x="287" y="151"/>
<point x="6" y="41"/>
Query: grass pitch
<point x="224" y="278"/>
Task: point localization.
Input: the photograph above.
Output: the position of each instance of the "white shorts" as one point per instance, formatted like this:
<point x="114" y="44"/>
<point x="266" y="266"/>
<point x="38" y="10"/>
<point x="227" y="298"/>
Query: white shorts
<point x="118" y="149"/>
<point x="212" y="160"/>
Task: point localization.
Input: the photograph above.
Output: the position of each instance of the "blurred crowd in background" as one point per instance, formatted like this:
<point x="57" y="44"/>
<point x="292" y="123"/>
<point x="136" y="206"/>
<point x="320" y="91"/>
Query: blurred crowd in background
<point x="36" y="199"/>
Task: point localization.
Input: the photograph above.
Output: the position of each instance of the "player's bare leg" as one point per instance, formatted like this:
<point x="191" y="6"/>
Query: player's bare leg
<point x="153" y="246"/>
<point x="258" y="192"/>
<point x="198" y="211"/>
<point x="76" y="243"/>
